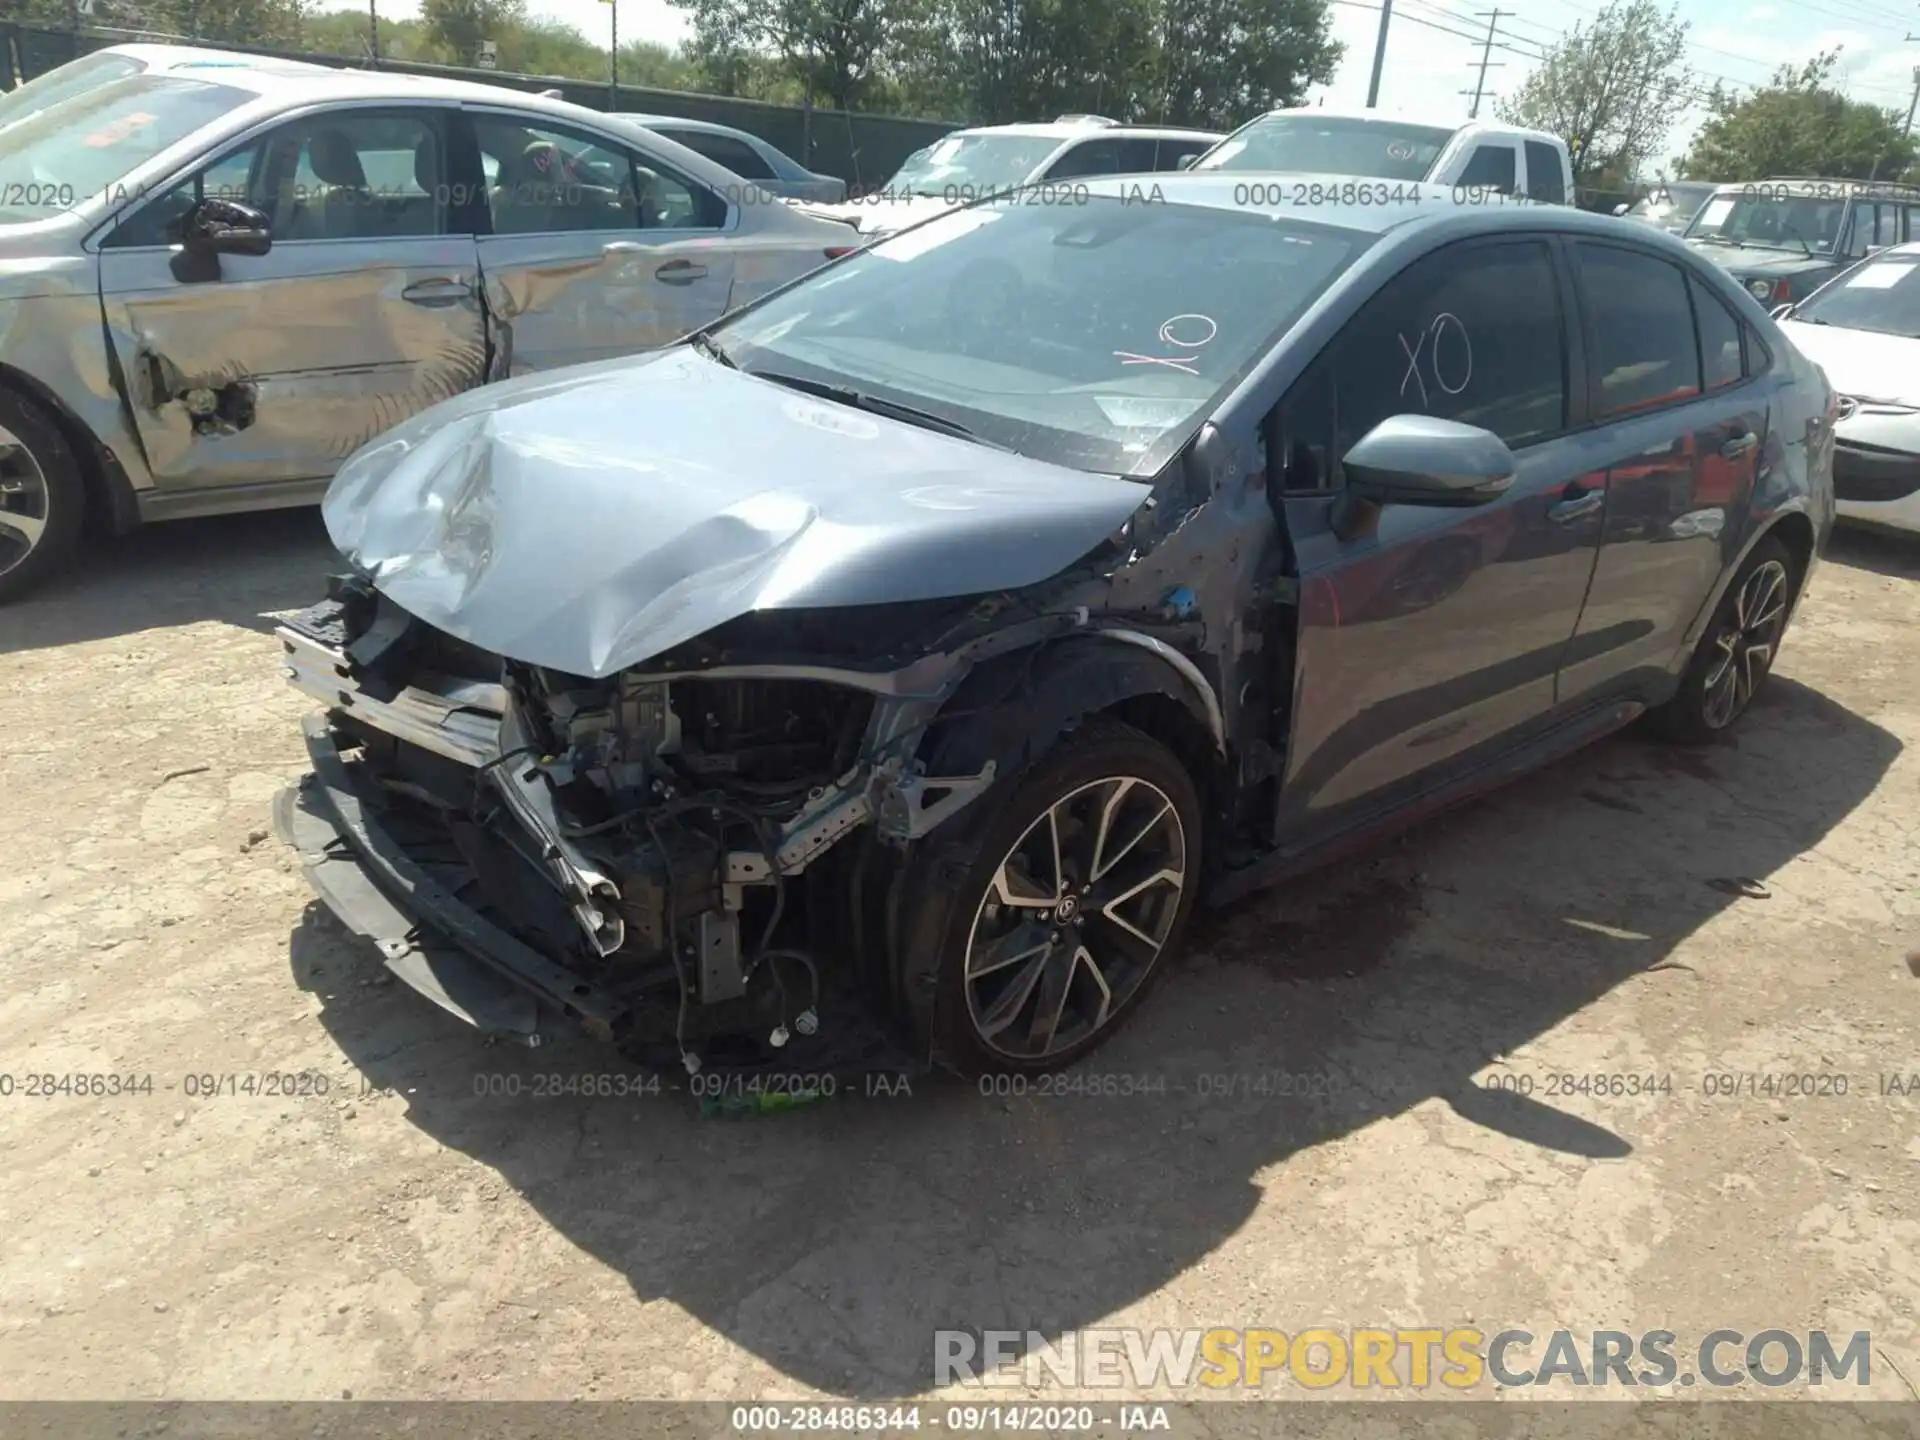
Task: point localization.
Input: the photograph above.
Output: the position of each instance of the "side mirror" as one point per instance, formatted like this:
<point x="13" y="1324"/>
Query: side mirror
<point x="1621" y="208"/>
<point x="226" y="227"/>
<point x="1185" y="162"/>
<point x="1422" y="460"/>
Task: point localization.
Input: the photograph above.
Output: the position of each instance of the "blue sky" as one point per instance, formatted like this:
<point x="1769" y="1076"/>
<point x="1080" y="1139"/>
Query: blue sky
<point x="1427" y="68"/>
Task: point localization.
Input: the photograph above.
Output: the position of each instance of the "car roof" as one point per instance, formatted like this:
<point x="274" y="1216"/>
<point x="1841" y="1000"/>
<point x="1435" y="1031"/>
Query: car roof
<point x="1074" y="129"/>
<point x="264" y="76"/>
<point x="1389" y="117"/>
<point x="681" y="122"/>
<point x="1274" y="193"/>
<point x="1832" y="188"/>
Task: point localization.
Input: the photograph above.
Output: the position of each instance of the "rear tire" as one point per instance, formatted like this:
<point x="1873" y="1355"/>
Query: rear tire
<point x="42" y="498"/>
<point x="1076" y="881"/>
<point x="1736" y="653"/>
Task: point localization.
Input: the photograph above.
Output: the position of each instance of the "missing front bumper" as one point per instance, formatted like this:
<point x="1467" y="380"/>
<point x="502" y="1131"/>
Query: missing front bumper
<point x="429" y="938"/>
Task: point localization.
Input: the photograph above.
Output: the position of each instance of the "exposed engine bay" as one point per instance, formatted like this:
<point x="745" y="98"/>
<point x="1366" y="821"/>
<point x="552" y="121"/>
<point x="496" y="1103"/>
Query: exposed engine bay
<point x="674" y="835"/>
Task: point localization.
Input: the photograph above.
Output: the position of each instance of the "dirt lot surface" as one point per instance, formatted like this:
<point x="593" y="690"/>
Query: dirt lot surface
<point x="423" y="1240"/>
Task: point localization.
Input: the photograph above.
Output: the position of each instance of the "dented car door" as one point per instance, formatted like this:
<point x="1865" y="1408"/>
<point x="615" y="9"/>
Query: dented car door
<point x="268" y="370"/>
<point x="597" y="251"/>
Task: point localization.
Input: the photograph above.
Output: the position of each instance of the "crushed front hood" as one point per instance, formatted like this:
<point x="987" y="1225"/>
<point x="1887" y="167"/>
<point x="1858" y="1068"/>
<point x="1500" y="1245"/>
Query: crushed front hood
<point x="587" y="519"/>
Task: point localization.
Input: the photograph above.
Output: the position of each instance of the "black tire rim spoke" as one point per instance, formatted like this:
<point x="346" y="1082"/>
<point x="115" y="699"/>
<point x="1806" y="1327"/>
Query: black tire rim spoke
<point x="1744" y="645"/>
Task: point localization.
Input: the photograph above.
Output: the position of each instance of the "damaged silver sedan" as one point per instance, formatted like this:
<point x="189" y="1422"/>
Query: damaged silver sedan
<point x="221" y="274"/>
<point x="882" y="675"/>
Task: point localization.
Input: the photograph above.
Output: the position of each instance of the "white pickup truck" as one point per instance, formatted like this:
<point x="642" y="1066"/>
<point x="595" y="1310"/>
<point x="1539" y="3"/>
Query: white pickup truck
<point x="1476" y="154"/>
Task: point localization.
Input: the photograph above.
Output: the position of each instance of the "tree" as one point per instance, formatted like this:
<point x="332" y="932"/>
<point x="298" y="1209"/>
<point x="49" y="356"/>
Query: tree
<point x="1797" y="125"/>
<point x="1224" y="61"/>
<point x="834" y="49"/>
<point x="460" y="25"/>
<point x="1610" y="88"/>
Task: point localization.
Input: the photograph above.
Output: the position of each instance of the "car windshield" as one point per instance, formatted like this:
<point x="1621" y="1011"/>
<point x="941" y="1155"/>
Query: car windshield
<point x="969" y="165"/>
<point x="1331" y="145"/>
<point x="1882" y="295"/>
<point x="1808" y="224"/>
<point x="69" y="79"/>
<point x="1092" y="336"/>
<point x="85" y="143"/>
<point x="1672" y="205"/>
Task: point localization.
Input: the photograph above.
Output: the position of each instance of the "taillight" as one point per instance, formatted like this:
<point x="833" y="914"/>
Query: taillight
<point x="1782" y="291"/>
<point x="834" y="252"/>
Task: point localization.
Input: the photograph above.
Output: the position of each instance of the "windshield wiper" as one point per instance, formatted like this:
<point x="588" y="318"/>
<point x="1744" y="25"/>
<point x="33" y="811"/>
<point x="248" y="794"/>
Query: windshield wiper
<point x="859" y="400"/>
<point x="712" y="349"/>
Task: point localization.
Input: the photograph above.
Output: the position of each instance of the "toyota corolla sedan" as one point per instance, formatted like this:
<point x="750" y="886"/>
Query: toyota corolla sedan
<point x="884" y="675"/>
<point x="221" y="274"/>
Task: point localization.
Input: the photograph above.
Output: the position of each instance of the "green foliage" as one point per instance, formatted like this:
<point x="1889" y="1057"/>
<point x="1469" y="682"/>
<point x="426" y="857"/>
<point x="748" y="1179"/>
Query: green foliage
<point x="460" y="25"/>
<point x="1610" y="88"/>
<point x="1798" y="125"/>
<point x="1200" y="62"/>
<point x="1224" y="61"/>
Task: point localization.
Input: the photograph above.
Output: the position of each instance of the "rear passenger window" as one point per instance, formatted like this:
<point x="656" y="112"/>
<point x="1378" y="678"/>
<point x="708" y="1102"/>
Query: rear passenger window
<point x="1644" y="352"/>
<point x="1172" y="152"/>
<point x="1719" y="338"/>
<point x="738" y="156"/>
<point x="1490" y="168"/>
<point x="1471" y="333"/>
<point x="1544" y="180"/>
<point x="1091" y="157"/>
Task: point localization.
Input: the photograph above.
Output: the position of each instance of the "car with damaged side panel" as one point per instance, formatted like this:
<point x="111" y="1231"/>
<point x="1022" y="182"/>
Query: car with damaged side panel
<point x="883" y="675"/>
<point x="222" y="273"/>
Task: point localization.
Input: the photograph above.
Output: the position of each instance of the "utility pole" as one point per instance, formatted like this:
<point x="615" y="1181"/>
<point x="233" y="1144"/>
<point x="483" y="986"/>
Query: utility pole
<point x="1379" y="54"/>
<point x="373" y="31"/>
<point x="1916" y="98"/>
<point x="613" y="54"/>
<point x="1486" y="60"/>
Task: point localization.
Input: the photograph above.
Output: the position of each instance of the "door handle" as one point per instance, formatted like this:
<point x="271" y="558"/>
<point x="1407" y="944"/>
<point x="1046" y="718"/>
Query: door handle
<point x="1578" y="502"/>
<point x="1739" y="445"/>
<point x="439" y="291"/>
<point x="679" y="272"/>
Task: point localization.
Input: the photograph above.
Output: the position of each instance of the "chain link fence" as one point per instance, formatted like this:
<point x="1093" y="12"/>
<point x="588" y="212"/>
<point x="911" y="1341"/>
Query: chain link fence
<point x="863" y="150"/>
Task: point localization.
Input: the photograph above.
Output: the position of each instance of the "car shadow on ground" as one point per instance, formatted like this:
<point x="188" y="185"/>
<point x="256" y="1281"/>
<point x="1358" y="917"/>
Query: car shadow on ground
<point x="236" y="569"/>
<point x="1893" y="553"/>
<point x="832" y="1241"/>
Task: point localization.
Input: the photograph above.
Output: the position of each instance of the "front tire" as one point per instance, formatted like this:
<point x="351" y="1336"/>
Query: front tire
<point x="42" y="499"/>
<point x="1076" y="884"/>
<point x="1736" y="653"/>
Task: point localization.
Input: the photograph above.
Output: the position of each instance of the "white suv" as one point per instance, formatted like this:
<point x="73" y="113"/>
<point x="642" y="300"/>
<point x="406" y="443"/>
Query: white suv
<point x="993" y="159"/>
<point x="1478" y="154"/>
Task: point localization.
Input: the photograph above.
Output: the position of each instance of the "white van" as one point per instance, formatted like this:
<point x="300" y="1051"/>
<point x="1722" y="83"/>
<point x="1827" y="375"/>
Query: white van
<point x="1320" y="140"/>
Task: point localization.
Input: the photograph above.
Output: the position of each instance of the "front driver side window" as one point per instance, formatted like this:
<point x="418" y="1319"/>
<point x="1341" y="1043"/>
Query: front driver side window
<point x="1471" y="333"/>
<point x="157" y="221"/>
<point x="1490" y="167"/>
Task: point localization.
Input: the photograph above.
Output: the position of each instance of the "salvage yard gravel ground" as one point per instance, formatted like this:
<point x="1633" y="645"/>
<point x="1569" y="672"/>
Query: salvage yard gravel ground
<point x="298" y="1181"/>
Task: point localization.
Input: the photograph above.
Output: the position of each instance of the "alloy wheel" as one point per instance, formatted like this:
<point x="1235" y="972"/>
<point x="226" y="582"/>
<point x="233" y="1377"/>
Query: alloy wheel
<point x="1743" y="650"/>
<point x="25" y="501"/>
<point x="1074" y="917"/>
